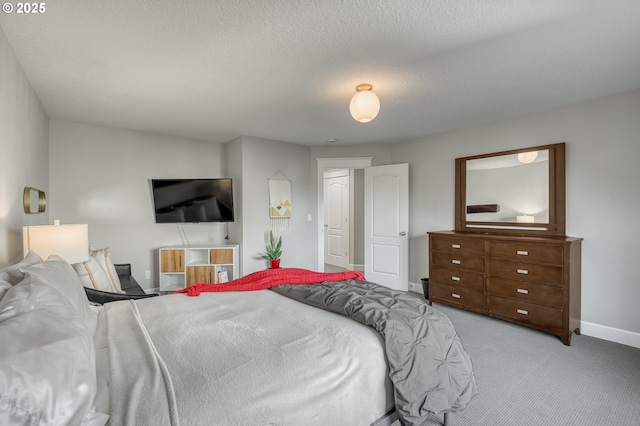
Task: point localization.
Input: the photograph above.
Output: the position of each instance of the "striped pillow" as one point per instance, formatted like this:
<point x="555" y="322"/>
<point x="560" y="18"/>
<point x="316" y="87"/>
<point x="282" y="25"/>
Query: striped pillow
<point x="98" y="272"/>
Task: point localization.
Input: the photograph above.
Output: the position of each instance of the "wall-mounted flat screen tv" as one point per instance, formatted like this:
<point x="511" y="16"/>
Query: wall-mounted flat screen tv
<point x="192" y="200"/>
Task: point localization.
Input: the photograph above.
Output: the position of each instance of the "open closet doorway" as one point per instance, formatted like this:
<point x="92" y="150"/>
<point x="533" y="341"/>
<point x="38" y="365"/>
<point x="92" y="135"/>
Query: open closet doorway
<point x="343" y="220"/>
<point x="354" y="168"/>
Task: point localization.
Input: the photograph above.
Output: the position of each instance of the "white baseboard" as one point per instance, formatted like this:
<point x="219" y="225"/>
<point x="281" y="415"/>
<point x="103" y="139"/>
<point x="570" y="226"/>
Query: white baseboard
<point x="417" y="288"/>
<point x="152" y="290"/>
<point x="356" y="267"/>
<point x="611" y="334"/>
<point x="603" y="332"/>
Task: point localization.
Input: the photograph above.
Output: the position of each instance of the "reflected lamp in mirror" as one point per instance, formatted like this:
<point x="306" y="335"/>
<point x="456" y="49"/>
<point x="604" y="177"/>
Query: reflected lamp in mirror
<point x="525" y="218"/>
<point x="71" y="242"/>
<point x="33" y="200"/>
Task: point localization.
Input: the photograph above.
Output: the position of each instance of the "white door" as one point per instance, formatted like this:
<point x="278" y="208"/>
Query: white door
<point x="386" y="222"/>
<point x="336" y="217"/>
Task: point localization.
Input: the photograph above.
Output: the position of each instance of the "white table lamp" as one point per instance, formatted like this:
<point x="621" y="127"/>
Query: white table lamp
<point x="71" y="242"/>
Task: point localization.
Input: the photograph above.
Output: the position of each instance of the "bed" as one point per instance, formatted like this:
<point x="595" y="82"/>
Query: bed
<point x="287" y="356"/>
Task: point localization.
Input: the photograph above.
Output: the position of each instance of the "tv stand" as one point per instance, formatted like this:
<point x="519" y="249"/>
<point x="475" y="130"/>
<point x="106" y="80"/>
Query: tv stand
<point x="181" y="266"/>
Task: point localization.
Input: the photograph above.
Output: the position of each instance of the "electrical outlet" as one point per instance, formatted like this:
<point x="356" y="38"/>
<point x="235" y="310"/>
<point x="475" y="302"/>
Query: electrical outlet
<point x="147" y="274"/>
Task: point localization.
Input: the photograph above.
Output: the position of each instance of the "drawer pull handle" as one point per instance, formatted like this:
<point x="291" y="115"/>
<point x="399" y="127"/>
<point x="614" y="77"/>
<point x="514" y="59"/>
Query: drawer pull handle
<point x="455" y="295"/>
<point x="455" y="278"/>
<point x="522" y="271"/>
<point x="522" y="253"/>
<point x="455" y="262"/>
<point x="456" y="246"/>
<point x="523" y="291"/>
<point x="522" y="311"/>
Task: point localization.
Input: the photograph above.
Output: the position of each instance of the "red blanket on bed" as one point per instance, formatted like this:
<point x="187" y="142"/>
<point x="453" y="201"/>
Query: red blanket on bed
<point x="270" y="278"/>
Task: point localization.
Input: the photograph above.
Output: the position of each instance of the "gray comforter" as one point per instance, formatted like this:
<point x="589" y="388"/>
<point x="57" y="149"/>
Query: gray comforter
<point x="429" y="368"/>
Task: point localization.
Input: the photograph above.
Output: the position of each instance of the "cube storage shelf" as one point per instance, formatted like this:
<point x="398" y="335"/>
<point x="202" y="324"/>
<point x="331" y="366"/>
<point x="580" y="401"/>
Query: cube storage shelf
<point x="181" y="266"/>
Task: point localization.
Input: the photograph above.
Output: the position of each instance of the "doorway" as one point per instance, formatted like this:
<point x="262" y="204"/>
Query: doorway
<point x="355" y="166"/>
<point x="386" y="219"/>
<point x="344" y="220"/>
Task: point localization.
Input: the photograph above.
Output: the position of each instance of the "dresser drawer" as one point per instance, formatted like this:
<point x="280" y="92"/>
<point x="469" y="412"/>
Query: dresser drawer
<point x="456" y="277"/>
<point x="458" y="295"/>
<point x="464" y="246"/>
<point x="525" y="312"/>
<point x="537" y="294"/>
<point x="551" y="275"/>
<point x="456" y="261"/>
<point x="525" y="252"/>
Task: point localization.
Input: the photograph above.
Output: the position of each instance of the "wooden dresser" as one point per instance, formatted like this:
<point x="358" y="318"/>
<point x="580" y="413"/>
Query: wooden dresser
<point x="532" y="281"/>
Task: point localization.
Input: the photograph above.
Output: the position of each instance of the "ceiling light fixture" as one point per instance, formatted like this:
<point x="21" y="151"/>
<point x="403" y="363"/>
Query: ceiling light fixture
<point x="365" y="104"/>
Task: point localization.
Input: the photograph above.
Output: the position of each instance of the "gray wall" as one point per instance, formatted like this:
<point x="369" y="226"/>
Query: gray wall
<point x="262" y="159"/>
<point x="603" y="148"/>
<point x="101" y="176"/>
<point x="602" y="196"/>
<point x="24" y="159"/>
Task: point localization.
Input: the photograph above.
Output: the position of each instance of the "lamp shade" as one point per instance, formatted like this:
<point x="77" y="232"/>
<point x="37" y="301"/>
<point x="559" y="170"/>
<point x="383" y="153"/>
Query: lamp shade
<point x="525" y="219"/>
<point x="365" y="104"/>
<point x="71" y="242"/>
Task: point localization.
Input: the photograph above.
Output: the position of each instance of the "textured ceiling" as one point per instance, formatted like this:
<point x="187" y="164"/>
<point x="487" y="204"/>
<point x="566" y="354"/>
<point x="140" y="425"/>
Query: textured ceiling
<point x="286" y="69"/>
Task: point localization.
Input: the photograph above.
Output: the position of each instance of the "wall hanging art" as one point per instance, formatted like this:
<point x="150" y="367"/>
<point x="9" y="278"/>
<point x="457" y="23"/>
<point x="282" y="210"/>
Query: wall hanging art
<point x="34" y="200"/>
<point x="279" y="202"/>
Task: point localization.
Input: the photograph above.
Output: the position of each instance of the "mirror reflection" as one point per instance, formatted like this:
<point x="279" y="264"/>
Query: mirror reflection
<point x="512" y="188"/>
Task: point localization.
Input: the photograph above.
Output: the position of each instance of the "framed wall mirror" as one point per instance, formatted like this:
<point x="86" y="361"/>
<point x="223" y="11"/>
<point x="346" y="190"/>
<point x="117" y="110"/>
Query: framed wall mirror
<point x="520" y="191"/>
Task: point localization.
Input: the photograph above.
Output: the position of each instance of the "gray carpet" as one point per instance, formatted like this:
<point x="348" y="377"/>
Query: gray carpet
<point x="526" y="377"/>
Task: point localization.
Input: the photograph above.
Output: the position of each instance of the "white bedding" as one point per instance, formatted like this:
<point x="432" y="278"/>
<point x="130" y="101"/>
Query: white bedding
<point x="238" y="358"/>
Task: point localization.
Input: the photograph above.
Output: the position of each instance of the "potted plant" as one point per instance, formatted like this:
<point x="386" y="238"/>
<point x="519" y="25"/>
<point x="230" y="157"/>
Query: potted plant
<point x="273" y="250"/>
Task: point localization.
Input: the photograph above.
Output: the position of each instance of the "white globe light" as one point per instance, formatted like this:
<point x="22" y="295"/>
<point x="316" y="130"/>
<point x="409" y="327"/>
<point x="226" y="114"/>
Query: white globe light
<point x="527" y="157"/>
<point x="364" y="105"/>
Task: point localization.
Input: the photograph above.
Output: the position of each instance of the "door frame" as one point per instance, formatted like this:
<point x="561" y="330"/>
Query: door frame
<point x="325" y="164"/>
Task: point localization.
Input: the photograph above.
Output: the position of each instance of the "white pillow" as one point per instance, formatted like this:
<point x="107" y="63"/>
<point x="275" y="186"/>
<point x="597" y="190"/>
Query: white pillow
<point x="59" y="290"/>
<point x="103" y="256"/>
<point x="54" y="278"/>
<point x="13" y="274"/>
<point x="92" y="275"/>
<point x="47" y="359"/>
<point x="99" y="272"/>
<point x="47" y="373"/>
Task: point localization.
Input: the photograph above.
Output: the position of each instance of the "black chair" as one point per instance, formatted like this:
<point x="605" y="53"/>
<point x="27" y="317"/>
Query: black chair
<point x="129" y="285"/>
